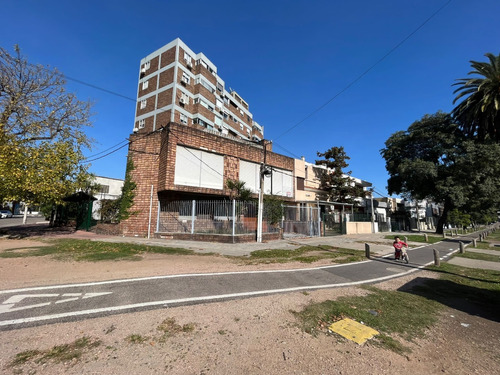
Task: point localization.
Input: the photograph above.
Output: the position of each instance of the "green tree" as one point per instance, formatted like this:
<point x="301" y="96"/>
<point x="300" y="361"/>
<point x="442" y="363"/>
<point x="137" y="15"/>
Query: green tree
<point x="238" y="190"/>
<point x="41" y="133"/>
<point x="126" y="200"/>
<point x="434" y="160"/>
<point x="337" y="184"/>
<point x="479" y="112"/>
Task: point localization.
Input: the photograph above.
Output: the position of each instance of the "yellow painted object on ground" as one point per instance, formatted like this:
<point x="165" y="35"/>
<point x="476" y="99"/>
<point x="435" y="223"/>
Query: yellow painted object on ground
<point x="353" y="330"/>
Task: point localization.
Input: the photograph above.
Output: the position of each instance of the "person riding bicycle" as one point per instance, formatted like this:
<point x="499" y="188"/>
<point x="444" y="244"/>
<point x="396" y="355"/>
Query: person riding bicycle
<point x="398" y="245"/>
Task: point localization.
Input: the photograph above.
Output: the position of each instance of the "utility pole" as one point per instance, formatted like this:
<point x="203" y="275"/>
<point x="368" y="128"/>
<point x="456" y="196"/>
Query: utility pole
<point x="260" y="209"/>
<point x="373" y="214"/>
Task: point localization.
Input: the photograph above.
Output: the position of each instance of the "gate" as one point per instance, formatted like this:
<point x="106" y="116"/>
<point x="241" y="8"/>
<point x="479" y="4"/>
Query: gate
<point x="332" y="224"/>
<point x="300" y="221"/>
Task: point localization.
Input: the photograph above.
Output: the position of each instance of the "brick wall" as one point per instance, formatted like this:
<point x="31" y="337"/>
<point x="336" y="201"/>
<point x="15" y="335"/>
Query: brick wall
<point x="143" y="151"/>
<point x="154" y="158"/>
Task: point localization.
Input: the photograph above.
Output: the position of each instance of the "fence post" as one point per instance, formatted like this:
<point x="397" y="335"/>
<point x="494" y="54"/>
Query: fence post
<point x="474" y="242"/>
<point x="158" y="217"/>
<point x="426" y="237"/>
<point x="462" y="248"/>
<point x="319" y="220"/>
<point x="234" y="218"/>
<point x="437" y="260"/>
<point x="406" y="239"/>
<point x="444" y="233"/>
<point x="193" y="212"/>
<point x="367" y="250"/>
<point x="310" y="221"/>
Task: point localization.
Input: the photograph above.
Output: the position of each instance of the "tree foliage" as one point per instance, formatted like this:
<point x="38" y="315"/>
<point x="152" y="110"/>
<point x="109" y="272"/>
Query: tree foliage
<point x="479" y="112"/>
<point x="126" y="200"/>
<point x="337" y="184"/>
<point x="238" y="190"/>
<point x="434" y="160"/>
<point x="42" y="134"/>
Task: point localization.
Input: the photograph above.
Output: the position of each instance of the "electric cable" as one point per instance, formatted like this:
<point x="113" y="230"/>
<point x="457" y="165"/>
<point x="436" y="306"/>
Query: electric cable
<point x="366" y="71"/>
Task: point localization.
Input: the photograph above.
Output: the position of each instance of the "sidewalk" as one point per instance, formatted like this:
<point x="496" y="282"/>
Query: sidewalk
<point x="476" y="263"/>
<point x="378" y="244"/>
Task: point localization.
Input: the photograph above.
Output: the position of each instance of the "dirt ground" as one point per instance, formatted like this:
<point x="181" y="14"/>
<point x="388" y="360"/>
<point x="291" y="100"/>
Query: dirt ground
<point x="250" y="336"/>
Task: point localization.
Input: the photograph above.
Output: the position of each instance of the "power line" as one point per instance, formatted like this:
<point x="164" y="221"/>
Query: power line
<point x="99" y="153"/>
<point x="366" y="71"/>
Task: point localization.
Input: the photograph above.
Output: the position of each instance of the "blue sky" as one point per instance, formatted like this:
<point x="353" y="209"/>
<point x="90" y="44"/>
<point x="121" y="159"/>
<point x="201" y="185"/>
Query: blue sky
<point x="285" y="58"/>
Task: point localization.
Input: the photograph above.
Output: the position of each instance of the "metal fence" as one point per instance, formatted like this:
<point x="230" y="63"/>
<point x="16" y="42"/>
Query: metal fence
<point x="300" y="221"/>
<point x="211" y="217"/>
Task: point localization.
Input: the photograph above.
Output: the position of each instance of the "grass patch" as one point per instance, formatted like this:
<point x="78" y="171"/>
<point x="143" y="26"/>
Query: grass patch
<point x="58" y="353"/>
<point x="169" y="327"/>
<point x="305" y="254"/>
<point x="94" y="251"/>
<point x="388" y="312"/>
<point x="480" y="256"/>
<point x="416" y="238"/>
<point x="407" y="314"/>
<point x="136" y="338"/>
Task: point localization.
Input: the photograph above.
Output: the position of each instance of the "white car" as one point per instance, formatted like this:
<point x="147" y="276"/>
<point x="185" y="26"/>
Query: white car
<point x="5" y="213"/>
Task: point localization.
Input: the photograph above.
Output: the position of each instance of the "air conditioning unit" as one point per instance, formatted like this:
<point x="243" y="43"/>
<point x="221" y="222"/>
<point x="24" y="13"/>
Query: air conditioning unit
<point x="182" y="101"/>
<point x="136" y="130"/>
<point x="189" y="64"/>
<point x="184" y="81"/>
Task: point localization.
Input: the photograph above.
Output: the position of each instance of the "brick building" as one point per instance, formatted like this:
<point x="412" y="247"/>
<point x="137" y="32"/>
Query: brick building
<point x="177" y="85"/>
<point x="191" y="135"/>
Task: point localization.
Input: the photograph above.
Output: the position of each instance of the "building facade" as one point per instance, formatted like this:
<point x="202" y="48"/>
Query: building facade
<point x="181" y="86"/>
<point x="109" y="189"/>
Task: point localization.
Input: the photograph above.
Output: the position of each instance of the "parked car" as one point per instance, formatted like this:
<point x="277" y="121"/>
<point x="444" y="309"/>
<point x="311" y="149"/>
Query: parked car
<point x="5" y="213"/>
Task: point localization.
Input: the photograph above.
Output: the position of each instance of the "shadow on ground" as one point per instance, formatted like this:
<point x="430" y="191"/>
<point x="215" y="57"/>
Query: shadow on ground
<point x="35" y="230"/>
<point x="469" y="299"/>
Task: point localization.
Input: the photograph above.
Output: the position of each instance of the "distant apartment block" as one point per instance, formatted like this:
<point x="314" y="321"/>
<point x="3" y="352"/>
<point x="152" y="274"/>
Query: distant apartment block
<point x="181" y="86"/>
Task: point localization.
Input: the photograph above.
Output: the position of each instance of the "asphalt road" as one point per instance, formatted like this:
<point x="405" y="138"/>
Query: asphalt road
<point x="18" y="220"/>
<point x="50" y="304"/>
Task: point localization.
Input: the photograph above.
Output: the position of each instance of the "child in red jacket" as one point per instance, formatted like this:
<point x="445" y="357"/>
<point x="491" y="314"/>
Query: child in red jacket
<point x="398" y="245"/>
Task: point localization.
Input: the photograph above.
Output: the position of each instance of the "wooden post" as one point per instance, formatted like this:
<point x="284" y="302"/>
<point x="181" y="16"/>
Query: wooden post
<point x="462" y="247"/>
<point x="406" y="239"/>
<point x="437" y="260"/>
<point x="444" y="233"/>
<point x="474" y="242"/>
<point x="367" y="250"/>
<point x="426" y="237"/>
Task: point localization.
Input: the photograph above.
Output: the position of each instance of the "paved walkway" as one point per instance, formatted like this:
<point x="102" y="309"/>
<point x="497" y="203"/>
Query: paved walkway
<point x="476" y="263"/>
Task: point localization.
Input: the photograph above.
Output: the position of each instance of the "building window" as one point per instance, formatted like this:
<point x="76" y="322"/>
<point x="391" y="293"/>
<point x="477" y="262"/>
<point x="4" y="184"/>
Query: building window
<point x="142" y="123"/>
<point x="145" y="85"/>
<point x="198" y="168"/>
<point x="184" y="119"/>
<point x="143" y="103"/>
<point x="185" y="78"/>
<point x="104" y="189"/>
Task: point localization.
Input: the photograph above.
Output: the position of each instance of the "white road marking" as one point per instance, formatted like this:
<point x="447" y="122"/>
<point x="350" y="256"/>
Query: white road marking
<point x="120" y="281"/>
<point x="195" y="299"/>
<point x="8" y="304"/>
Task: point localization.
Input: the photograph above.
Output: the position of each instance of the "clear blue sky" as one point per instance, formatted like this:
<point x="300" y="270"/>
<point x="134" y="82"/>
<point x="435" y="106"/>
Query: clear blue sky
<point x="285" y="58"/>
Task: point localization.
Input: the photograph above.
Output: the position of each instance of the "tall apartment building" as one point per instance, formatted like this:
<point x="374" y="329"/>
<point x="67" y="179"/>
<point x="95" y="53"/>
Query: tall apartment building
<point x="181" y="86"/>
<point x="190" y="137"/>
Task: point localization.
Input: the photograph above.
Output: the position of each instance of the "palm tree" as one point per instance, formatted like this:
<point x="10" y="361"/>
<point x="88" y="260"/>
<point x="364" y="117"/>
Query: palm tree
<point x="479" y="113"/>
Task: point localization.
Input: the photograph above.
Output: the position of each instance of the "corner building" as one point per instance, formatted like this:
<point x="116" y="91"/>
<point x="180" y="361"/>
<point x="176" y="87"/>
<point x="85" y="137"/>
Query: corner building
<point x="178" y="85"/>
<point x="190" y="136"/>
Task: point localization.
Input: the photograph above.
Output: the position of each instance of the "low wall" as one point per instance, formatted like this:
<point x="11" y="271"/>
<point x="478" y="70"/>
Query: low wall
<point x="358" y="227"/>
<point x="225" y="238"/>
